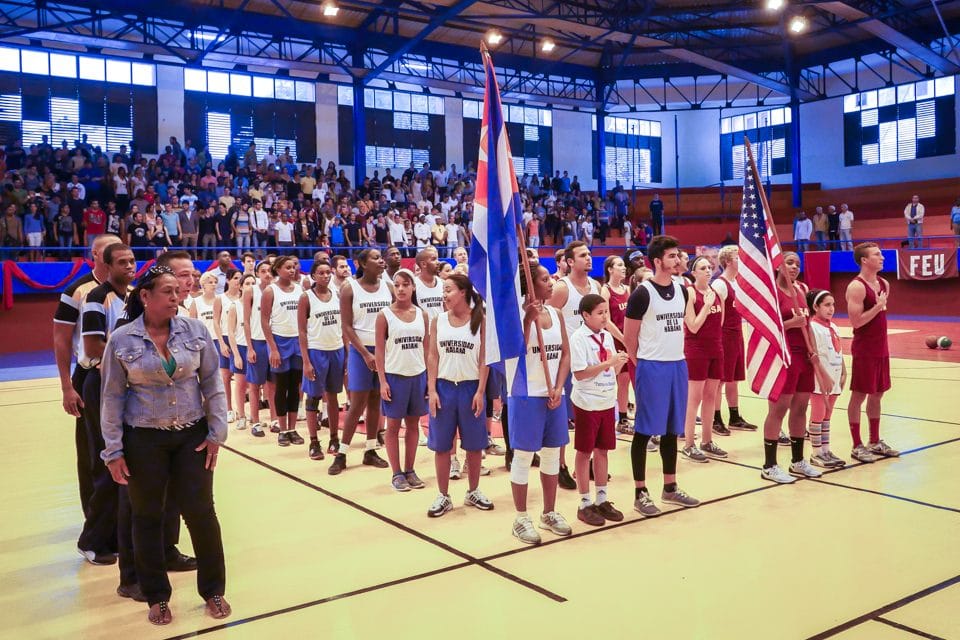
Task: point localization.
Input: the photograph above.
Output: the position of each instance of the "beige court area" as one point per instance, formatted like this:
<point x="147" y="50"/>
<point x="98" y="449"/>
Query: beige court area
<point x="869" y="552"/>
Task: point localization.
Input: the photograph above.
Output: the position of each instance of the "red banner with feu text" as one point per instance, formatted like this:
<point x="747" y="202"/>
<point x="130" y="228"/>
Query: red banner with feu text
<point x="926" y="264"/>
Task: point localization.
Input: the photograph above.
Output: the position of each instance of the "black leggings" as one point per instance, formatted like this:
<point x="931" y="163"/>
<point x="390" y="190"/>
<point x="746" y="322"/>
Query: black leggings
<point x="286" y="393"/>
<point x="638" y="455"/>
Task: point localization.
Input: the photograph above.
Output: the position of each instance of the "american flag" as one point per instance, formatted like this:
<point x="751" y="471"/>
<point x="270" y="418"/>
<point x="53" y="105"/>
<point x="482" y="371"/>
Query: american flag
<point x="760" y="256"/>
<point x="494" y="258"/>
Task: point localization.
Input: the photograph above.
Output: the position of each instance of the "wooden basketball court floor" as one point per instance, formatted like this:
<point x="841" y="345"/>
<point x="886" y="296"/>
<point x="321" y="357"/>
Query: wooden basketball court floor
<point x="869" y="552"/>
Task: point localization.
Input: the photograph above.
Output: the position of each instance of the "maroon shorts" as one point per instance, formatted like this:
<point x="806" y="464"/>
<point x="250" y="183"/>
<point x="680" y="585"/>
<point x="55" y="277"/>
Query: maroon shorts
<point x="594" y="430"/>
<point x="705" y="368"/>
<point x="734" y="361"/>
<point x="871" y="374"/>
<point x="630" y="368"/>
<point x="800" y="376"/>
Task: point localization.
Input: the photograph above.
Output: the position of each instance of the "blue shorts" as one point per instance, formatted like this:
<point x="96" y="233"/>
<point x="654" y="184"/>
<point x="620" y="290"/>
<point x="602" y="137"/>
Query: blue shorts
<point x="661" y="390"/>
<point x="225" y="362"/>
<point x="359" y="376"/>
<point x="533" y="426"/>
<point x="242" y="348"/>
<point x="329" y="368"/>
<point x="496" y="383"/>
<point x="289" y="348"/>
<point x="409" y="396"/>
<point x="455" y="411"/>
<point x="259" y="373"/>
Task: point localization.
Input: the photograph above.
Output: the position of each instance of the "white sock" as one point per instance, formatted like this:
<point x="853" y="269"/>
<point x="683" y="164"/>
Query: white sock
<point x="371" y="445"/>
<point x="601" y="494"/>
<point x="521" y="514"/>
<point x="343" y="448"/>
<point x="585" y="500"/>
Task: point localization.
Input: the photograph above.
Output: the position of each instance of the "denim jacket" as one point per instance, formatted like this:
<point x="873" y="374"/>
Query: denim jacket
<point x="137" y="391"/>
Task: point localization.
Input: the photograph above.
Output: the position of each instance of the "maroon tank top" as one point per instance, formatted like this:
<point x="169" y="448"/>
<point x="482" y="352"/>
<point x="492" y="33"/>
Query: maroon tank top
<point x="870" y="340"/>
<point x="795" y="340"/>
<point x="732" y="321"/>
<point x="618" y="306"/>
<point x="705" y="343"/>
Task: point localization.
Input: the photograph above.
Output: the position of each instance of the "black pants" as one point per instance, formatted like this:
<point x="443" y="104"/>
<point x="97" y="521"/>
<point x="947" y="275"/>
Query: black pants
<point x="84" y="469"/>
<point x="127" y="556"/>
<point x="99" y="532"/>
<point x="165" y="463"/>
<point x="658" y="225"/>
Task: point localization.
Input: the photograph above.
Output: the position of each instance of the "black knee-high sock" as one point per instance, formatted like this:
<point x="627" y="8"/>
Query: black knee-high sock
<point x="293" y="391"/>
<point x="280" y="383"/>
<point x="769" y="453"/>
<point x="668" y="453"/>
<point x="638" y="456"/>
<point x="796" y="449"/>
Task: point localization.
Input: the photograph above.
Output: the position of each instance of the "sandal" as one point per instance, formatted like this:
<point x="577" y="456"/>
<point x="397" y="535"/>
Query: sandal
<point x="159" y="614"/>
<point x="218" y="608"/>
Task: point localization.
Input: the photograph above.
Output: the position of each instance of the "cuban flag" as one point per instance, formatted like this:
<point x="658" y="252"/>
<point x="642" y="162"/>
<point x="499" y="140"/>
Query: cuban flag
<point x="494" y="260"/>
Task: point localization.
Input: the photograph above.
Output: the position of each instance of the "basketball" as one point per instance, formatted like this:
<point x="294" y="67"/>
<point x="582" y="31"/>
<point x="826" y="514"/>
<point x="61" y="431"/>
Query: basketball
<point x="944" y="342"/>
<point x="931" y="342"/>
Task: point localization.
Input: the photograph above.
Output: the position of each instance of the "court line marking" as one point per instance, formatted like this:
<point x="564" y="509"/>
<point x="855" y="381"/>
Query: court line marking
<point x="319" y="601"/>
<point x="399" y="525"/>
<point x="903" y="627"/>
<point x="885" y="495"/>
<point x="21" y="404"/>
<point x="887" y="608"/>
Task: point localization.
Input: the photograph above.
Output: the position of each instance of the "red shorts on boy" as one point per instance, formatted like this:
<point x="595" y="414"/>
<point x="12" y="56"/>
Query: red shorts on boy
<point x="594" y="430"/>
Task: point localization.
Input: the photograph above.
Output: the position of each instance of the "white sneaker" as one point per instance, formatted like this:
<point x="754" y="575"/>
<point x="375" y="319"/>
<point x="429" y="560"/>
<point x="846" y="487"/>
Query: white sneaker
<point x="423" y="441"/>
<point x="776" y="474"/>
<point x="241" y="424"/>
<point x="804" y="469"/>
<point x="523" y="530"/>
<point x="863" y="454"/>
<point x="231" y="416"/>
<point x="455" y="472"/>
<point x="483" y="470"/>
<point x="476" y="499"/>
<point x="440" y="506"/>
<point x="555" y="523"/>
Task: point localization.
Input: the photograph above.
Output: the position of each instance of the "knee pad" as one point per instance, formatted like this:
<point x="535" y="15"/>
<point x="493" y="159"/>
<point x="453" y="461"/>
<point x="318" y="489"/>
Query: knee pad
<point x="550" y="461"/>
<point x="520" y="467"/>
<point x="312" y="404"/>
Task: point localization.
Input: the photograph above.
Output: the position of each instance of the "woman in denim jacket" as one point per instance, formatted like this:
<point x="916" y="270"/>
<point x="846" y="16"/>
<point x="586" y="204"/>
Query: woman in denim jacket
<point x="163" y="418"/>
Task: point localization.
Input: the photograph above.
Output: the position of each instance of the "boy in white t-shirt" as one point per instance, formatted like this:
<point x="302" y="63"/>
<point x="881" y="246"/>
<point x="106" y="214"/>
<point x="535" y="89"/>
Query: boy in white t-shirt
<point x="595" y="363"/>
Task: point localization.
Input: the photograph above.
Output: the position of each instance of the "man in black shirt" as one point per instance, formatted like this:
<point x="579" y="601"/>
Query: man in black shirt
<point x="656" y="214"/>
<point x="224" y="223"/>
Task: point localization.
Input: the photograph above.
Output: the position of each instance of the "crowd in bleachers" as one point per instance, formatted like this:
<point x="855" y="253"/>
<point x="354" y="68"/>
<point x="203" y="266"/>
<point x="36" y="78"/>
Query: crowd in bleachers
<point x="57" y="200"/>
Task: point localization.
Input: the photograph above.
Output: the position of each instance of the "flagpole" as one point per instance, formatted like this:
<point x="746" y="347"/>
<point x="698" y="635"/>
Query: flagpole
<point x="805" y="330"/>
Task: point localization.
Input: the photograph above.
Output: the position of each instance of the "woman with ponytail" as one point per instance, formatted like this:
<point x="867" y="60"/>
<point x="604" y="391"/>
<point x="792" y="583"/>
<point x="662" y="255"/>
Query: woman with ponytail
<point x="159" y="448"/>
<point x="456" y="382"/>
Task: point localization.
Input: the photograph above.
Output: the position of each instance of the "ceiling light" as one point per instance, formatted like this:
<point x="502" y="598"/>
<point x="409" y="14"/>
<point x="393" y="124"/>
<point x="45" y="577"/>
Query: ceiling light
<point x="798" y="24"/>
<point x="494" y="37"/>
<point x="547" y="46"/>
<point x="774" y="5"/>
<point x="330" y="9"/>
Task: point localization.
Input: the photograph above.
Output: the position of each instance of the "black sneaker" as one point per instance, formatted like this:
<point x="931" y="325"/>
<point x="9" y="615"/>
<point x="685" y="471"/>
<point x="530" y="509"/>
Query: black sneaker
<point x="564" y="479"/>
<point x="742" y="425"/>
<point x="571" y="425"/>
<point x="99" y="559"/>
<point x="783" y="440"/>
<point x="264" y="404"/>
<point x="371" y="459"/>
<point x="274" y="427"/>
<point x="325" y="423"/>
<point x="334" y="446"/>
<point x="720" y="429"/>
<point x="131" y="591"/>
<point x="181" y="562"/>
<point x="380" y="437"/>
<point x="316" y="451"/>
<point x="295" y="438"/>
<point x="536" y="460"/>
<point x="339" y="464"/>
<point x="283" y="439"/>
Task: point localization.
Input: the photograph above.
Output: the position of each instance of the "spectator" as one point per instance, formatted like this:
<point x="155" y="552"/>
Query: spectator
<point x="802" y="230"/>
<point x="94" y="222"/>
<point x="65" y="231"/>
<point x="171" y="221"/>
<point x="284" y="231"/>
<point x="846" y="228"/>
<point x="656" y="214"/>
<point x="913" y="212"/>
<point x="821" y="227"/>
<point x="833" y="227"/>
<point x="955" y="220"/>
<point x="33" y="229"/>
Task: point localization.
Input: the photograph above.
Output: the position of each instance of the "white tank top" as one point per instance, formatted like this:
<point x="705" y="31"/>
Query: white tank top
<point x="256" y="328"/>
<point x="553" y="346"/>
<point x="324" y="330"/>
<point x="571" y="310"/>
<point x="241" y="319"/>
<point x="404" y="356"/>
<point x="459" y="351"/>
<point x="661" y="328"/>
<point x="205" y="314"/>
<point x="430" y="299"/>
<point x="225" y="304"/>
<point x="366" y="306"/>
<point x="283" y="314"/>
